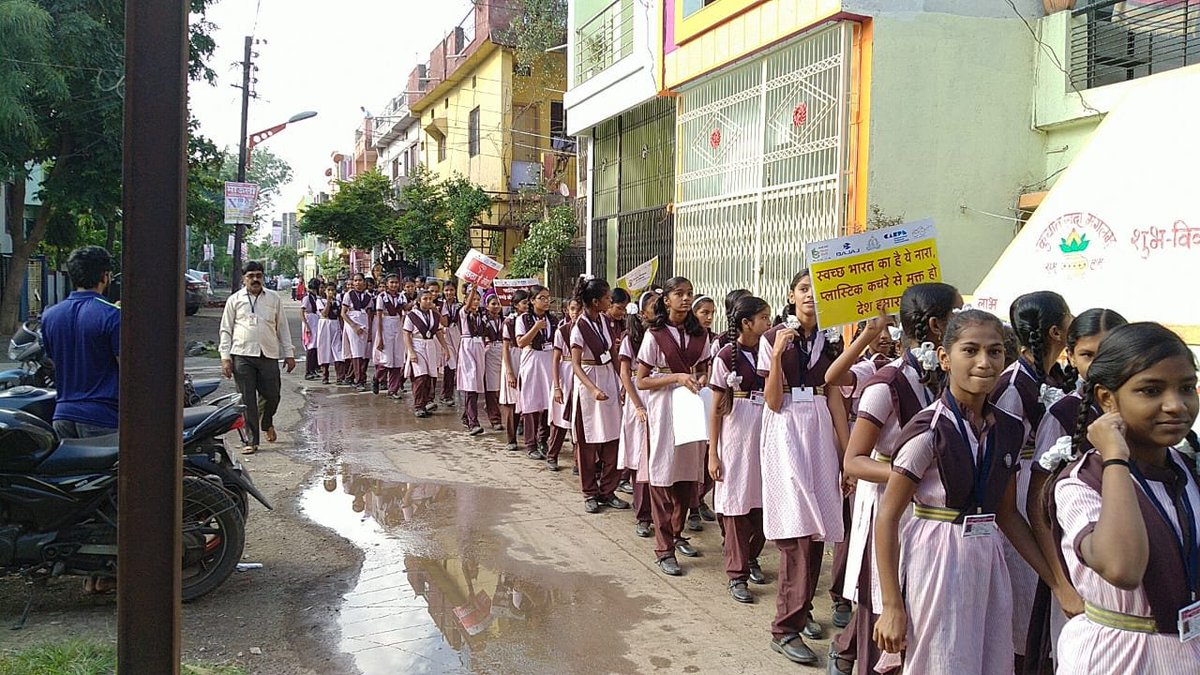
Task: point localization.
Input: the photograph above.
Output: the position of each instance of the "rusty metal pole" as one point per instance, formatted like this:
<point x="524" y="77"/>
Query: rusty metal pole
<point x="155" y="207"/>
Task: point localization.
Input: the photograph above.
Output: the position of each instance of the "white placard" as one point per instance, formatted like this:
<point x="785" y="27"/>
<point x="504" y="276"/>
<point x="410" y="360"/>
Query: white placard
<point x="691" y="414"/>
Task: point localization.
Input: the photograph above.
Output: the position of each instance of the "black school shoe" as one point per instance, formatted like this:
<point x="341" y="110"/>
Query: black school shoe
<point x="813" y="630"/>
<point x="670" y="566"/>
<point x="738" y="591"/>
<point x="693" y="522"/>
<point x="841" y="614"/>
<point x="686" y="549"/>
<point x="625" y="486"/>
<point x="642" y="529"/>
<point x="707" y="513"/>
<point x="614" y="502"/>
<point x="591" y="505"/>
<point x="794" y="649"/>
<point x="756" y="573"/>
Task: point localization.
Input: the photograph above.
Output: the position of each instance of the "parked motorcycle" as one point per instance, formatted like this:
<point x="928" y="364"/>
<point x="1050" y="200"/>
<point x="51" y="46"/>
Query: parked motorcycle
<point x="58" y="506"/>
<point x="25" y="347"/>
<point x="204" y="454"/>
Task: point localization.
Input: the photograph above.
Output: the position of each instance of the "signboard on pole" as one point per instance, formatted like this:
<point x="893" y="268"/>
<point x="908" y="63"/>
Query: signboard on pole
<point x="240" y="202"/>
<point x="478" y="269"/>
<point x="505" y="288"/>
<point x="208" y="252"/>
<point x="639" y="278"/>
<point x="229" y="246"/>
<point x="856" y="277"/>
<point x="276" y="233"/>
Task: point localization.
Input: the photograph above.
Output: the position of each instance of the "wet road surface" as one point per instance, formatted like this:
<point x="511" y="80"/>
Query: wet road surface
<point x="480" y="560"/>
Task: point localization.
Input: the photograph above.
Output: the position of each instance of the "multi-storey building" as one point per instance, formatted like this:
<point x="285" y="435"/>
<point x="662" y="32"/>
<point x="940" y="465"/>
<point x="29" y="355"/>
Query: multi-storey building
<point x="397" y="138"/>
<point x="626" y="130"/>
<point x="500" y="126"/>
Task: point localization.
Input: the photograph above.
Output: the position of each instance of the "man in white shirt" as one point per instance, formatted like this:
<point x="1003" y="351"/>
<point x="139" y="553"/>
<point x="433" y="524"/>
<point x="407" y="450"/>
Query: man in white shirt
<point x="254" y="335"/>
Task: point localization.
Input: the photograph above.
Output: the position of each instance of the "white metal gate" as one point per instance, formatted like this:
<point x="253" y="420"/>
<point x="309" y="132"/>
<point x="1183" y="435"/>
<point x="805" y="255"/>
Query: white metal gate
<point x="762" y="152"/>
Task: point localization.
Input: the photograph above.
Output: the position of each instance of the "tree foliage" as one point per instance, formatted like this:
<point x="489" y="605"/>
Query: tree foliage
<point x="539" y="25"/>
<point x="61" y="108"/>
<point x="547" y="240"/>
<point x="466" y="203"/>
<point x="278" y="259"/>
<point x="361" y="214"/>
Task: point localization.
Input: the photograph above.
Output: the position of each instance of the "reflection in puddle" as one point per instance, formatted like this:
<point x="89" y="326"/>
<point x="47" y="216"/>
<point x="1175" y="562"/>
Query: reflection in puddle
<point x="437" y="593"/>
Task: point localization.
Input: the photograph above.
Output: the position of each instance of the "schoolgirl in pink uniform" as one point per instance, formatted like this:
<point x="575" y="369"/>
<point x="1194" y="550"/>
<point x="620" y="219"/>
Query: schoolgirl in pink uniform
<point x="424" y="343"/>
<point x="1026" y="388"/>
<point x="1126" y="511"/>
<point x="734" y="444"/>
<point x="510" y="357"/>
<point x="800" y="463"/>
<point x="329" y="336"/>
<point x="355" y="303"/>
<point x="890" y="398"/>
<point x="535" y="338"/>
<point x="632" y="447"/>
<point x="471" y="371"/>
<point x="596" y="400"/>
<point x="493" y="346"/>
<point x="705" y="309"/>
<point x="947" y="599"/>
<point x="561" y="388"/>
<point x="451" y="310"/>
<point x="1052" y="449"/>
<point x="389" y="345"/>
<point x="674" y="354"/>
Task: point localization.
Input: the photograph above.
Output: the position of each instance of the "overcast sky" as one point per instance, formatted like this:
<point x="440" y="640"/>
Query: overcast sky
<point x="331" y="57"/>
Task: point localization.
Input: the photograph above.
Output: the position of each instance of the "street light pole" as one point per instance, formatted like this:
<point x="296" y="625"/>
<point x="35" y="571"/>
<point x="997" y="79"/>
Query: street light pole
<point x="239" y="230"/>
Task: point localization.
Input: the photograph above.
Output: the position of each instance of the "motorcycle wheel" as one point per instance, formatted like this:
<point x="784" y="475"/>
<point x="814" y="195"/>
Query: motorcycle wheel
<point x="239" y="495"/>
<point x="213" y="537"/>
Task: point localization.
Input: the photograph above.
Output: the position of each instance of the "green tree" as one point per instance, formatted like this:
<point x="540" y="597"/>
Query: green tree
<point x="537" y="29"/>
<point x="466" y="203"/>
<point x="279" y="259"/>
<point x="362" y="213"/>
<point x="547" y="240"/>
<point x="417" y="237"/>
<point x="61" y="109"/>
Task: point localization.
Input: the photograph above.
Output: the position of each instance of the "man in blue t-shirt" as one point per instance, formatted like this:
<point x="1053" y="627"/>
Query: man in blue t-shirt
<point x="82" y="335"/>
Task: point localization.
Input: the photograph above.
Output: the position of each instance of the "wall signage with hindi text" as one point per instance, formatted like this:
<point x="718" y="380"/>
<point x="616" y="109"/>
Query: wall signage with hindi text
<point x="858" y="276"/>
<point x="639" y="278"/>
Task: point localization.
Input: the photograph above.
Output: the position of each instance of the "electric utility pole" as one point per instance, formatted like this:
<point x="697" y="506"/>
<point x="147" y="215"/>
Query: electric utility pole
<point x="239" y="230"/>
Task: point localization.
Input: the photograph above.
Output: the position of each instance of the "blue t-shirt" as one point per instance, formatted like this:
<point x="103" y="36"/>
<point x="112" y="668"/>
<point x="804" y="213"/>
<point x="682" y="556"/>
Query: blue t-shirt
<point x="82" y="335"/>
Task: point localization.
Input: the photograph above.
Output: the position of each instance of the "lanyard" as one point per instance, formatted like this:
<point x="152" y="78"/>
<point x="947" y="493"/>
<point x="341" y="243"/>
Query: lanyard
<point x="252" y="301"/>
<point x="806" y="354"/>
<point x="1028" y="370"/>
<point x="1188" y="548"/>
<point x="981" y="469"/>
<point x="598" y="332"/>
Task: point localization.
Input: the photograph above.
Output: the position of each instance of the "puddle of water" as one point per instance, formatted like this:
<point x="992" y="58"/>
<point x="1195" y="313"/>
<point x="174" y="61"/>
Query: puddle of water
<point x="437" y="592"/>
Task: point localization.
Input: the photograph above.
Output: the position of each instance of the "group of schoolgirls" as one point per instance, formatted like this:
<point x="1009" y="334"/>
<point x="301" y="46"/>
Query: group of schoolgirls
<point x="1011" y="515"/>
<point x="404" y="330"/>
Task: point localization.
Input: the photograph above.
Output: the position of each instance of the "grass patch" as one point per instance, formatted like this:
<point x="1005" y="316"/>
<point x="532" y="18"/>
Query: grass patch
<point x="81" y="657"/>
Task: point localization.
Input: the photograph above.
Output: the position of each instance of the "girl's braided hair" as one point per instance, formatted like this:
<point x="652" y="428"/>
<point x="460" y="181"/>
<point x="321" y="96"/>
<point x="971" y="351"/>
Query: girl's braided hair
<point x="1032" y="316"/>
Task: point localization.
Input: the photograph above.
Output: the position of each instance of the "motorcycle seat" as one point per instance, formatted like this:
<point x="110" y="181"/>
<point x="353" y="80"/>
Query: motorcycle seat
<point x="196" y="415"/>
<point x="80" y="455"/>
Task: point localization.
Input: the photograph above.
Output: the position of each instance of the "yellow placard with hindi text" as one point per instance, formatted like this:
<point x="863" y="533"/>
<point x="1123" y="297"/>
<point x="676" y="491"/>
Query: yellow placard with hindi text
<point x="858" y="276"/>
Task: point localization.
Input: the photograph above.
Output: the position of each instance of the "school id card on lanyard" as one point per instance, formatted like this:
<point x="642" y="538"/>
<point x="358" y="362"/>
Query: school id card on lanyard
<point x="978" y="524"/>
<point x="1186" y="545"/>
<point x="756" y="396"/>
<point x="805" y="393"/>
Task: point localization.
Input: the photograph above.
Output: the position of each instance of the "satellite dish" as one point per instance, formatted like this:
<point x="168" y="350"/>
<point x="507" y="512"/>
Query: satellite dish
<point x="564" y="189"/>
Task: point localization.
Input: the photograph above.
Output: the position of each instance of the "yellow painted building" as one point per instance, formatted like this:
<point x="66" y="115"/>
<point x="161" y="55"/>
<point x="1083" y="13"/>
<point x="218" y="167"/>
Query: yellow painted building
<point x="501" y="128"/>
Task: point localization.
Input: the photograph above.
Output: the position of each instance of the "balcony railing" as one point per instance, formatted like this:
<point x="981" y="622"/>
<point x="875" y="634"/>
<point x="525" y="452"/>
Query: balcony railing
<point x="1115" y="41"/>
<point x="605" y="39"/>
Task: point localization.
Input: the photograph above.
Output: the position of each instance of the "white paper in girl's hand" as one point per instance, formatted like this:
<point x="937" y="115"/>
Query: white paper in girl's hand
<point x="691" y="414"/>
